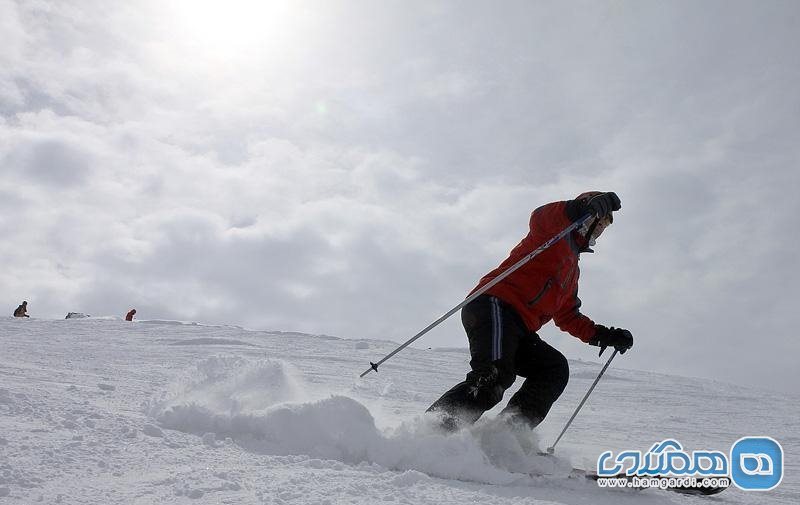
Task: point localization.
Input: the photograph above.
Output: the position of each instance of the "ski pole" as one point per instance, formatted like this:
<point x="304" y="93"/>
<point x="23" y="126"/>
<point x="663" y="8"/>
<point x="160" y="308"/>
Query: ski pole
<point x="513" y="268"/>
<point x="552" y="448"/>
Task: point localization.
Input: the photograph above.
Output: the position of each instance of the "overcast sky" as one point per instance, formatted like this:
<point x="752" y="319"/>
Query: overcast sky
<point x="353" y="168"/>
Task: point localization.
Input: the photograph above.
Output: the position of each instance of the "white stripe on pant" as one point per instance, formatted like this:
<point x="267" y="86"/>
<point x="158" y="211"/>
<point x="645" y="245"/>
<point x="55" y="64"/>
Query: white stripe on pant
<point x="497" y="330"/>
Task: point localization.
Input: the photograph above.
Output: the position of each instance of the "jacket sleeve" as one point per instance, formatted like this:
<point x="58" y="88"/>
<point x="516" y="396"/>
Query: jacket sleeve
<point x="570" y="319"/>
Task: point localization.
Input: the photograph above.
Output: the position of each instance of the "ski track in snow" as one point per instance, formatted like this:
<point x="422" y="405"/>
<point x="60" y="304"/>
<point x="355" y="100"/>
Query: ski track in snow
<point x="103" y="411"/>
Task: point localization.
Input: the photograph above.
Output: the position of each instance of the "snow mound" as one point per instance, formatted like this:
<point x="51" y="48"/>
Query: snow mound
<point x="261" y="407"/>
<point x="167" y="322"/>
<point x="335" y="428"/>
<point x="210" y="341"/>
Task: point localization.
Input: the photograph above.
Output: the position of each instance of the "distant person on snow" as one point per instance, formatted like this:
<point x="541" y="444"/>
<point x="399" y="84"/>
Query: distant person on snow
<point x="130" y="314"/>
<point x="22" y="310"/>
<point x="501" y="324"/>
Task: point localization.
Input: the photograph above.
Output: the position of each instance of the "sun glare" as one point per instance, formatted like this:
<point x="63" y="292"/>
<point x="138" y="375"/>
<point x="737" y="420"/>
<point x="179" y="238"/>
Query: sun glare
<point x="225" y="28"/>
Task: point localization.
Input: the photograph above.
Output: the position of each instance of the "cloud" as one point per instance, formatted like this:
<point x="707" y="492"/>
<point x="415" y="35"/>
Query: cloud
<point x="49" y="161"/>
<point x="358" y="173"/>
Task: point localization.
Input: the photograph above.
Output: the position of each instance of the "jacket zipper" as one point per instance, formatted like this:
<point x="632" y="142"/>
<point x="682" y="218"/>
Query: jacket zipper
<point x="541" y="292"/>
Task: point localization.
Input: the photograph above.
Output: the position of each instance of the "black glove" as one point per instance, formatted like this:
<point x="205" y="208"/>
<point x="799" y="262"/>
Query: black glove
<point x="618" y="338"/>
<point x="603" y="204"/>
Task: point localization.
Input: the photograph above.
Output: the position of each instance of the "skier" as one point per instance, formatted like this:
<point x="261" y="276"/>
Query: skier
<point x="501" y="324"/>
<point x="22" y="310"/>
<point x="130" y="314"/>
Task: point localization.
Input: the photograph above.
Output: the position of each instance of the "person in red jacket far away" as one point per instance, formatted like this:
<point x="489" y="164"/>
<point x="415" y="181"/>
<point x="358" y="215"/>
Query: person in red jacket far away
<point x="130" y="314"/>
<point x="501" y="324"/>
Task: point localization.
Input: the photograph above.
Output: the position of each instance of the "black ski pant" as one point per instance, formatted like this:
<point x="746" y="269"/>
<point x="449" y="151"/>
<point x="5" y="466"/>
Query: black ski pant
<point x="502" y="347"/>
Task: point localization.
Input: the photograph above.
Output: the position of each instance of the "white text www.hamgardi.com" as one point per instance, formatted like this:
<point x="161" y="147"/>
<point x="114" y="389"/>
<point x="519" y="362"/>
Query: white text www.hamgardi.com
<point x="663" y="482"/>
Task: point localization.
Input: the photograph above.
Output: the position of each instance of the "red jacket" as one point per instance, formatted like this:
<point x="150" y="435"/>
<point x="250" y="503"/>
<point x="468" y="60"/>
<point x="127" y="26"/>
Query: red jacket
<point x="546" y="287"/>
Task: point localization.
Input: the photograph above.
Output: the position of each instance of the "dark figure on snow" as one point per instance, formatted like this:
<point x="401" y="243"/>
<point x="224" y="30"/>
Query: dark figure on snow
<point x="501" y="324"/>
<point x="22" y="310"/>
<point x="130" y="314"/>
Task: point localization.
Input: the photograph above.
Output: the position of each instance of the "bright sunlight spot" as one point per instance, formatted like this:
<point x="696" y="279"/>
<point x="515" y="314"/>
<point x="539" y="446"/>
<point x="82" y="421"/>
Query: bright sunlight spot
<point x="225" y="28"/>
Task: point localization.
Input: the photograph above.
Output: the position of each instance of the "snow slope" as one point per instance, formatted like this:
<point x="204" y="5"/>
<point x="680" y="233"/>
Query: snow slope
<point x="104" y="411"/>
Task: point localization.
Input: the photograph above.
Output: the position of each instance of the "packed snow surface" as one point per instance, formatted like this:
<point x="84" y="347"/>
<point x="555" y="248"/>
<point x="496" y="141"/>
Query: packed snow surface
<point x="102" y="411"/>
